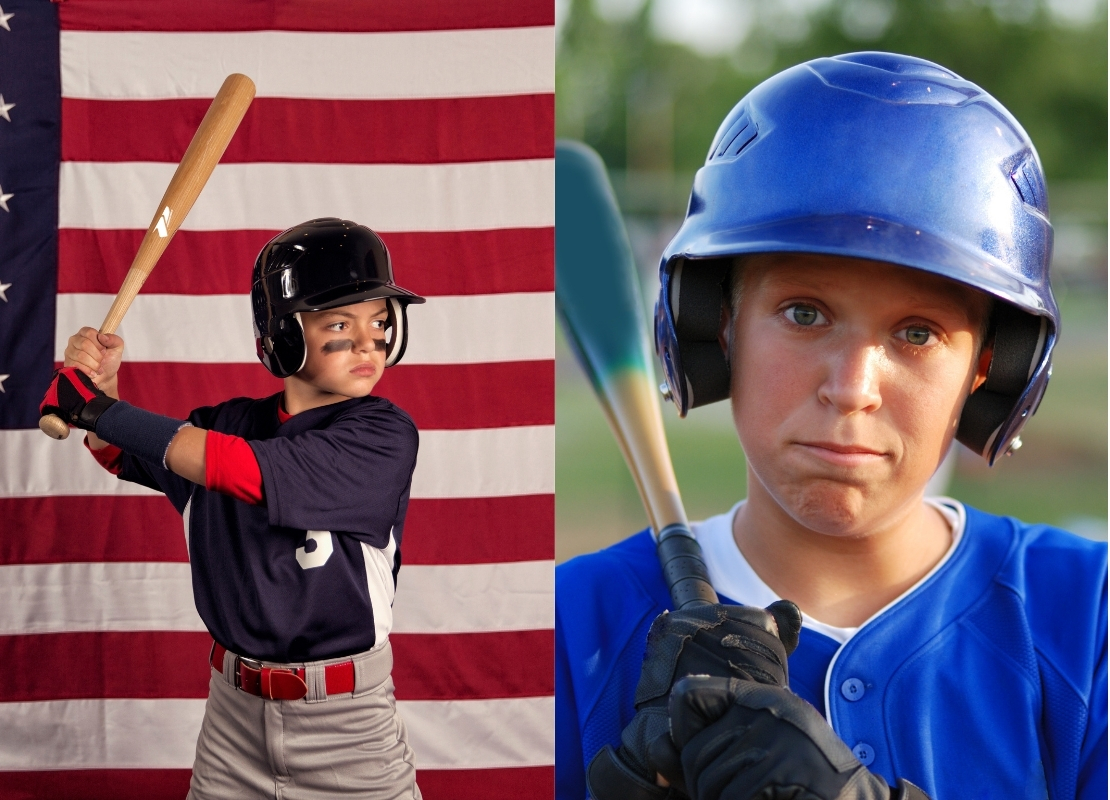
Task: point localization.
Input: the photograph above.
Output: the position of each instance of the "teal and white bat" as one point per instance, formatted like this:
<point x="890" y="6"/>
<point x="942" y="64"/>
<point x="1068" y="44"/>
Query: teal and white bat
<point x="599" y="304"/>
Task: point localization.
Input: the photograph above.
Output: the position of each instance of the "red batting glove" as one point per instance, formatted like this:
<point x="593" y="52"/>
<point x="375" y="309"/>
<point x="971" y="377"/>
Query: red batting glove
<point x="74" y="397"/>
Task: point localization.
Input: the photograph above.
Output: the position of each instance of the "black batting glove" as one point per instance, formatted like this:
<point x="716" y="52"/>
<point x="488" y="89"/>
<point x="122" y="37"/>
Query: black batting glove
<point x="741" y="741"/>
<point x="742" y="642"/>
<point x="75" y="398"/>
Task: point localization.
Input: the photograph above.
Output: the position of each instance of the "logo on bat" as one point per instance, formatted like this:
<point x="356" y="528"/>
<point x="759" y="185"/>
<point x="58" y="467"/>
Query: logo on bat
<point x="163" y="221"/>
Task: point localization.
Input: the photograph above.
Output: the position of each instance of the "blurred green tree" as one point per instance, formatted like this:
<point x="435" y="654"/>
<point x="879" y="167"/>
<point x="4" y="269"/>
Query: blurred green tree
<point x="648" y="103"/>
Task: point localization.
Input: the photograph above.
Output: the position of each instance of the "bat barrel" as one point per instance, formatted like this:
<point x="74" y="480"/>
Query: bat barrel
<point x="683" y="568"/>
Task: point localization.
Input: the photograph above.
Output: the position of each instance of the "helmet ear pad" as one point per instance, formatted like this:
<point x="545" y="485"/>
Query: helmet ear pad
<point x="285" y="346"/>
<point x="1018" y="343"/>
<point x="698" y="293"/>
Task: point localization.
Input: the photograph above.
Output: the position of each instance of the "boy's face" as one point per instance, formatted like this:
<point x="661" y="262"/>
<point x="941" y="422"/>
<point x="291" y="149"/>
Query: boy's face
<point x="345" y="348"/>
<point x="848" y="378"/>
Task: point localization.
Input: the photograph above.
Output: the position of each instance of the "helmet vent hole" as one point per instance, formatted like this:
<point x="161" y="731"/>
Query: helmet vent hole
<point x="738" y="136"/>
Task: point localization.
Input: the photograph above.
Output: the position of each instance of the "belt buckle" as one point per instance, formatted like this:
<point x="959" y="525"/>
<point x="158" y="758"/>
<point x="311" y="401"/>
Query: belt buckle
<point x="251" y="663"/>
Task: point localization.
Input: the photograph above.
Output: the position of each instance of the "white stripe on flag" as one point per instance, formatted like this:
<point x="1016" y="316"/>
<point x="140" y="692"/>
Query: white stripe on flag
<point x="513" y="596"/>
<point x="147" y="596"/>
<point x="485" y="734"/>
<point x="162" y="733"/>
<point x="488" y="462"/>
<point x="217" y="328"/>
<point x="402" y="65"/>
<point x="96" y="596"/>
<point x="483" y="195"/>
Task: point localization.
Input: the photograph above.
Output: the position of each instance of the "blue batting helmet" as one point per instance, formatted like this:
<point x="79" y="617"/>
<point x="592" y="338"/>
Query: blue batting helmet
<point x="882" y="157"/>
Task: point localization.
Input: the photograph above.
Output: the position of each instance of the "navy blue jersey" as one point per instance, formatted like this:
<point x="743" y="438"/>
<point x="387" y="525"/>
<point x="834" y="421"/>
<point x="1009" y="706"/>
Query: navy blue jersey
<point x="987" y="680"/>
<point x="310" y="574"/>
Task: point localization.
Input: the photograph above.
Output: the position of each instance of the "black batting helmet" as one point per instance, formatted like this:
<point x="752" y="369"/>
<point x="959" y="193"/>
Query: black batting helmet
<point x="319" y="264"/>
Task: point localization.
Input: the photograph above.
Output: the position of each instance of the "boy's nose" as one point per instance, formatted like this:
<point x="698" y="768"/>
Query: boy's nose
<point x="370" y="339"/>
<point x="853" y="379"/>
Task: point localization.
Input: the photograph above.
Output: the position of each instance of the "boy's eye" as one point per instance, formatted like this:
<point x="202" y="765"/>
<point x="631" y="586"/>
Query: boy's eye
<point x="804" y="315"/>
<point x="918" y="335"/>
<point x="335" y="326"/>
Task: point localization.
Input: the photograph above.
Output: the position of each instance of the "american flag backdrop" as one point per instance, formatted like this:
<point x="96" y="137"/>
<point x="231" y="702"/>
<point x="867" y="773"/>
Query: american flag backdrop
<point x="432" y="122"/>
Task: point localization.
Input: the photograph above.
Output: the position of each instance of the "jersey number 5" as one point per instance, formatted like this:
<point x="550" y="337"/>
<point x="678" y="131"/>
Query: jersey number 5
<point x="320" y="551"/>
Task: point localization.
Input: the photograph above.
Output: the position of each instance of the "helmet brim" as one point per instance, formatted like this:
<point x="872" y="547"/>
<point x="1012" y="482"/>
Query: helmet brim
<point x="357" y="293"/>
<point x="872" y="239"/>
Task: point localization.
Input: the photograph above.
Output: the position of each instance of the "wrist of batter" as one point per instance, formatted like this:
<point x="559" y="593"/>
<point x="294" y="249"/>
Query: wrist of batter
<point x="138" y="432"/>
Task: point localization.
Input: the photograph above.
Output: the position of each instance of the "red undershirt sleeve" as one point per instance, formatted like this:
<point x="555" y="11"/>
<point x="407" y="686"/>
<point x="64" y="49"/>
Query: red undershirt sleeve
<point x="110" y="457"/>
<point x="231" y="467"/>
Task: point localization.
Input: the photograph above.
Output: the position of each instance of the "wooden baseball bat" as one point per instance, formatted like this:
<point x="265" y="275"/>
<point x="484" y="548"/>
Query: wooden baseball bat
<point x="598" y="300"/>
<point x="204" y="151"/>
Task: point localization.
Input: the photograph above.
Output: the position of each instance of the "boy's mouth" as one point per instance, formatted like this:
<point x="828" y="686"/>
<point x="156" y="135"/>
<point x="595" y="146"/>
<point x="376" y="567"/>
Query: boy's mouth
<point x="365" y="370"/>
<point x="842" y="454"/>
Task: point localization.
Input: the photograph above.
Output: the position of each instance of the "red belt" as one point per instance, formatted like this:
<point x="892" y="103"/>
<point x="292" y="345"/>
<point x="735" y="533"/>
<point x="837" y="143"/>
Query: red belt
<point x="282" y="683"/>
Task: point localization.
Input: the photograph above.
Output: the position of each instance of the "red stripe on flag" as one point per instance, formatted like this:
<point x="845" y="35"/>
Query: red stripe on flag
<point x="90" y="529"/>
<point x="318" y="131"/>
<point x="137" y="664"/>
<point x="96" y="784"/>
<point x="174" y="664"/>
<point x="220" y="262"/>
<point x="155" y="784"/>
<point x="480" y="530"/>
<point x="487" y="784"/>
<point x="302" y="15"/>
<point x="436" y="396"/>
<point x="474" y="665"/>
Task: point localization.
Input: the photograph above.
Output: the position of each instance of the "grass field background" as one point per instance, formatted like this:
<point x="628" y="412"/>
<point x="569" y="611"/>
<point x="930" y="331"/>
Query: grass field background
<point x="1059" y="476"/>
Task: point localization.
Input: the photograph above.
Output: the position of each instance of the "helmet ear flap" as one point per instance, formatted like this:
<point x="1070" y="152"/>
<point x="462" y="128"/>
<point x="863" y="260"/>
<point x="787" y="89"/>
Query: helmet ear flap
<point x="398" y="322"/>
<point x="283" y="351"/>
<point x="1018" y="345"/>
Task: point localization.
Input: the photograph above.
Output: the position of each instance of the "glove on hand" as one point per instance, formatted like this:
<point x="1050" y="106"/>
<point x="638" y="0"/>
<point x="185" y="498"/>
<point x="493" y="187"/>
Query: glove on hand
<point x="74" y="397"/>
<point x="741" y="741"/>
<point x="742" y="642"/>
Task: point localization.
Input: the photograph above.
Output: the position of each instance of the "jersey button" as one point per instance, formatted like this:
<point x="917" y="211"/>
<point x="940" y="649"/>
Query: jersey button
<point x="865" y="753"/>
<point x="852" y="689"/>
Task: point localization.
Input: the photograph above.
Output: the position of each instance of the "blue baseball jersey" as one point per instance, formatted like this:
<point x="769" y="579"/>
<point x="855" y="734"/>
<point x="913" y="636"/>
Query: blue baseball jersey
<point x="310" y="574"/>
<point x="987" y="680"/>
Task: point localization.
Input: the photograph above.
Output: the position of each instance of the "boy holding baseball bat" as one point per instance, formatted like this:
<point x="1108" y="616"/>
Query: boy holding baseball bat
<point x="294" y="507"/>
<point x="863" y="271"/>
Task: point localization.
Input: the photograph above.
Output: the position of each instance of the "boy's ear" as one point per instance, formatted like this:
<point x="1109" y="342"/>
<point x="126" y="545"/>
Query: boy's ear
<point x="984" y="365"/>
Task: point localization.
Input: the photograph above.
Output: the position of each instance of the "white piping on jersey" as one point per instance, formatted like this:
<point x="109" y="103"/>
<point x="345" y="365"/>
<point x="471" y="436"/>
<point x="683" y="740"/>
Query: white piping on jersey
<point x="185" y="514"/>
<point x="379" y="583"/>
<point x="724" y="560"/>
<point x="955" y="514"/>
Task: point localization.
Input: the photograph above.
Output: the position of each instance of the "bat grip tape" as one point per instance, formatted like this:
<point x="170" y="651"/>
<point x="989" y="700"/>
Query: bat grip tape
<point x="138" y="432"/>
<point x="684" y="568"/>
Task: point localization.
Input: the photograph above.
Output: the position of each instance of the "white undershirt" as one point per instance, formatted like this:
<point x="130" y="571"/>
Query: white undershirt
<point x="732" y="575"/>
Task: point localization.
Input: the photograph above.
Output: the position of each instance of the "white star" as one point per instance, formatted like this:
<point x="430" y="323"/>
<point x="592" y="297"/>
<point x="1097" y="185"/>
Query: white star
<point x="4" y="24"/>
<point x="5" y="108"/>
<point x="4" y="198"/>
<point x="2" y="379"/>
<point x="3" y="288"/>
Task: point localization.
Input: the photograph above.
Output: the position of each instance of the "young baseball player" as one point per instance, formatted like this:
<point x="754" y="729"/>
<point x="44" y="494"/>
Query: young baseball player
<point x="294" y="507"/>
<point x="864" y="271"/>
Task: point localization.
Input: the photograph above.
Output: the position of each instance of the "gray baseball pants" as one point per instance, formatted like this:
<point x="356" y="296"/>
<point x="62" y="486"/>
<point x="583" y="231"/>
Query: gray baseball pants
<point x="348" y="745"/>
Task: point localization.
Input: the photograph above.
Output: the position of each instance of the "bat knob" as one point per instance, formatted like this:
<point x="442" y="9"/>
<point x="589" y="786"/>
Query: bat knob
<point x="53" y="426"/>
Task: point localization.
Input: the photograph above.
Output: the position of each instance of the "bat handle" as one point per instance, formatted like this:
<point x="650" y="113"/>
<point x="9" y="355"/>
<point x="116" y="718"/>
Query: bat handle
<point x="683" y="567"/>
